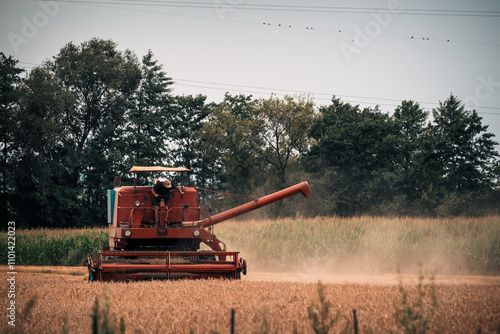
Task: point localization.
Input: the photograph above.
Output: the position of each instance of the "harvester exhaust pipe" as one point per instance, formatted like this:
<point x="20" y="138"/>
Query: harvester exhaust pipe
<point x="258" y="203"/>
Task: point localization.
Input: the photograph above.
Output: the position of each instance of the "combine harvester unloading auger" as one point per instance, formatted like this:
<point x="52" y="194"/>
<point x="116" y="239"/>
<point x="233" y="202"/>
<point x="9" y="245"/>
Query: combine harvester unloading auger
<point x="163" y="241"/>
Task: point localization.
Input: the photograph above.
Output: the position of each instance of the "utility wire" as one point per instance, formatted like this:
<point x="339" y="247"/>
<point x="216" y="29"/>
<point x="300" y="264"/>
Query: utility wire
<point x="291" y="8"/>
<point x="268" y="90"/>
<point x="328" y="95"/>
<point x="216" y="5"/>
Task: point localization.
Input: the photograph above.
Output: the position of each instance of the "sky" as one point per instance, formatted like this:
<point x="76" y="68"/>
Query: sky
<point x="366" y="52"/>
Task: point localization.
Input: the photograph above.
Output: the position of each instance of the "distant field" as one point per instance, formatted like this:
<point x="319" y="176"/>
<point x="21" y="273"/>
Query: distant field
<point x="54" y="247"/>
<point x="368" y="244"/>
<point x="374" y="245"/>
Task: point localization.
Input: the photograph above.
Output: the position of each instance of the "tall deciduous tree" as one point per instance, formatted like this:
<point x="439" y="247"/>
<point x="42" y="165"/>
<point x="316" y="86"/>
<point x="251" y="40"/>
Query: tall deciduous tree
<point x="101" y="80"/>
<point x="229" y="145"/>
<point x="284" y="131"/>
<point x="41" y="174"/>
<point x="357" y="149"/>
<point x="189" y="113"/>
<point x="9" y="80"/>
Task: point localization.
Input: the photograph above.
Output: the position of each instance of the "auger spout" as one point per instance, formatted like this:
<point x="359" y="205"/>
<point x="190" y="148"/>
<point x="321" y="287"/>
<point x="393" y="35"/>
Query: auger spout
<point x="258" y="203"/>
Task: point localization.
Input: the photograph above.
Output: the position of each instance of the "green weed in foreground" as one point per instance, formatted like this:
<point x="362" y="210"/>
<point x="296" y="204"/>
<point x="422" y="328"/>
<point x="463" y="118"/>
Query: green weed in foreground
<point x="413" y="315"/>
<point x="103" y="321"/>
<point x="319" y="314"/>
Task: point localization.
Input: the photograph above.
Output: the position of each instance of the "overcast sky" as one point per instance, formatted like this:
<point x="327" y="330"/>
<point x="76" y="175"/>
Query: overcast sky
<point x="366" y="52"/>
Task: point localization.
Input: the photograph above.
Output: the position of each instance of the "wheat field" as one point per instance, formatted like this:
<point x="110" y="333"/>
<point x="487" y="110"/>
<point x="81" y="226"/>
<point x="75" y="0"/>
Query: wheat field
<point x="361" y="262"/>
<point x="64" y="300"/>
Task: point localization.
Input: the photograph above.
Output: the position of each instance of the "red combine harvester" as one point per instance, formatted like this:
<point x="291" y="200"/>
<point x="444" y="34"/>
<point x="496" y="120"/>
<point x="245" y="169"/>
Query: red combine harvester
<point x="163" y="241"/>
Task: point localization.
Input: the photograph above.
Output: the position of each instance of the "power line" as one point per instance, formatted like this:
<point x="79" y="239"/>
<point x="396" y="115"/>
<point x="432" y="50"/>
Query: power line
<point x="268" y="90"/>
<point x="217" y="5"/>
<point x="290" y="8"/>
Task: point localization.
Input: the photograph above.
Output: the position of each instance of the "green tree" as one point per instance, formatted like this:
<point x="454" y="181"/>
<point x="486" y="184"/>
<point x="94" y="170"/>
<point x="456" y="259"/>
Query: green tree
<point x="41" y="173"/>
<point x="9" y="80"/>
<point x="461" y="155"/>
<point x="284" y="128"/>
<point x="466" y="150"/>
<point x="188" y="115"/>
<point x="410" y="121"/>
<point x="101" y="80"/>
<point x="145" y="138"/>
<point x="356" y="149"/>
<point x="229" y="145"/>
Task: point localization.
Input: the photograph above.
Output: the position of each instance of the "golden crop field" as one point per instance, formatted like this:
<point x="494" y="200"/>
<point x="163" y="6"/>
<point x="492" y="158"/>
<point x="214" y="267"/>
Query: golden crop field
<point x="64" y="302"/>
<point x="357" y="259"/>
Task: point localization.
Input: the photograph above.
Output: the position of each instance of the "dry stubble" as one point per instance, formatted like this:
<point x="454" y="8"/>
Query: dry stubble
<point x="205" y="305"/>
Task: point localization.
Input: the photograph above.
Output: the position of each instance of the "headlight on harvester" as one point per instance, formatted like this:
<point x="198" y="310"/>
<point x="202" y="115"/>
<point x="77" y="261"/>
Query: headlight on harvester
<point x="137" y="203"/>
<point x="196" y="233"/>
<point x="127" y="233"/>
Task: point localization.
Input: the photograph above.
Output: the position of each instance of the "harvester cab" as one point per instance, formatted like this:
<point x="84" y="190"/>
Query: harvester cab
<point x="163" y="241"/>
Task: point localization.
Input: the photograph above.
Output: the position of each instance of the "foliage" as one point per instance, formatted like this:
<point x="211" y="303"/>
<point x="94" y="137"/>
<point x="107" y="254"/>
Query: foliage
<point x="9" y="79"/>
<point x="284" y="124"/>
<point x="357" y="147"/>
<point x="103" y="321"/>
<point x="229" y="147"/>
<point x="319" y="315"/>
<point x="82" y="118"/>
<point x="93" y="111"/>
<point x="56" y="247"/>
<point x="397" y="164"/>
<point x="187" y="119"/>
<point x="414" y="315"/>
<point x="146" y="133"/>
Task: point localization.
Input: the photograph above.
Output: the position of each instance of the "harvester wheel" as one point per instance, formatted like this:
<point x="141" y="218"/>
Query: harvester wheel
<point x="244" y="265"/>
<point x="90" y="264"/>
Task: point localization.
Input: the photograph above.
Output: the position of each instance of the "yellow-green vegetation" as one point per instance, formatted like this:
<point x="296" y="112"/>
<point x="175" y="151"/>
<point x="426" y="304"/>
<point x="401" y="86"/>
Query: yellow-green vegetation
<point x="323" y="244"/>
<point x="54" y="247"/>
<point x="368" y="244"/>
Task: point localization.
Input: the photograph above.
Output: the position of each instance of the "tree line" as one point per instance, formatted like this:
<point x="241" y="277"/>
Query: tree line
<point x="92" y="111"/>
